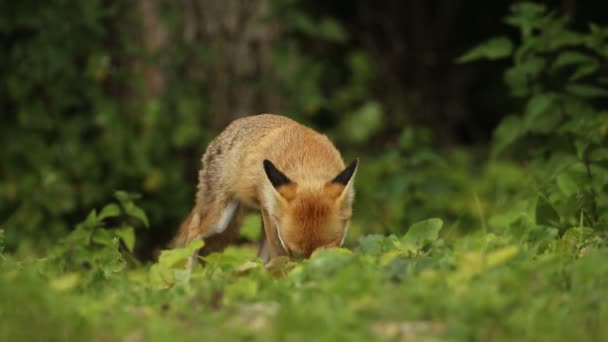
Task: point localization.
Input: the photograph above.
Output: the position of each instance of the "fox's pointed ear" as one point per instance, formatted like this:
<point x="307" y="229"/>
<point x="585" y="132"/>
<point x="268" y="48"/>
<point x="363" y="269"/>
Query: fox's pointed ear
<point x="346" y="175"/>
<point x="341" y="187"/>
<point x="283" y="186"/>
<point x="276" y="177"/>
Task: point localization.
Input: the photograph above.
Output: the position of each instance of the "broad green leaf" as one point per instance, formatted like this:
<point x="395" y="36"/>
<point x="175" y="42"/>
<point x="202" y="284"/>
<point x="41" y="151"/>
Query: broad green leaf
<point x="586" y="90"/>
<point x="507" y="132"/>
<point x="230" y="258"/>
<point x="110" y="210"/>
<point x="178" y="257"/>
<point x="538" y="105"/>
<point x="544" y="124"/>
<point x="171" y="264"/>
<point x="541" y="115"/>
<point x="124" y="196"/>
<point x="545" y="213"/>
<point x="103" y="237"/>
<point x="563" y="39"/>
<point x="138" y="213"/>
<point x="566" y="184"/>
<point x="494" y="48"/>
<point x="566" y="58"/>
<point x="521" y="77"/>
<point x="126" y="200"/>
<point x="91" y="221"/>
<point x="127" y="235"/>
<point x="376" y="244"/>
<point x="327" y="262"/>
<point x="321" y="256"/>
<point x="584" y="70"/>
<point x="1" y="240"/>
<point x="423" y="232"/>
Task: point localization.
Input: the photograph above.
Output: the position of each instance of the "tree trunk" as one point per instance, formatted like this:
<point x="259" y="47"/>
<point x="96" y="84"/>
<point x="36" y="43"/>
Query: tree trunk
<point x="240" y="45"/>
<point x="154" y="39"/>
<point x="228" y="48"/>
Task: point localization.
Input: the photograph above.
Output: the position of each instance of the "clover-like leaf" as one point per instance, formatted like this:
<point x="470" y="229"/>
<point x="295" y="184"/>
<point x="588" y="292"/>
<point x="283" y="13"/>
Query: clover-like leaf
<point x="423" y="232"/>
<point x="110" y="210"/>
<point x="127" y="235"/>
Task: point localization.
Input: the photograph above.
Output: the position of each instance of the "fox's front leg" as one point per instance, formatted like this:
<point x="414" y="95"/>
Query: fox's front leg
<point x="271" y="247"/>
<point x="202" y="224"/>
<point x="189" y="230"/>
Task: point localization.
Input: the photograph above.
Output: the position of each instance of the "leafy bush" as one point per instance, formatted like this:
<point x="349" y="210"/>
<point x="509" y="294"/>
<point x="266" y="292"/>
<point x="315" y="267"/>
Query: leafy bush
<point x="70" y="119"/>
<point x="100" y="249"/>
<point x="561" y="131"/>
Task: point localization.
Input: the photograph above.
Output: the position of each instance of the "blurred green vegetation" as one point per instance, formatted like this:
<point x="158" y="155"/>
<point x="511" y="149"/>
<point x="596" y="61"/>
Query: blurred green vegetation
<point x="498" y="235"/>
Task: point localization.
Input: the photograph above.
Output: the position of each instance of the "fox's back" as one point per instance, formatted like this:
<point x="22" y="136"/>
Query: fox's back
<point x="306" y="156"/>
<point x="250" y="130"/>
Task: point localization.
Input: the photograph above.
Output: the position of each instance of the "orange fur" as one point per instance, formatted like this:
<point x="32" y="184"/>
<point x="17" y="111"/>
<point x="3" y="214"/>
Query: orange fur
<point x="304" y="212"/>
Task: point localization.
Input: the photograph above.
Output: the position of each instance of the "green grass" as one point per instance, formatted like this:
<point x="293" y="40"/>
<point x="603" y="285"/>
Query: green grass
<point x="529" y="285"/>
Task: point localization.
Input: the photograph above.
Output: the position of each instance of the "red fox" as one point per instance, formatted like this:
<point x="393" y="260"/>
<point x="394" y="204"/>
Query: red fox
<point x="293" y="175"/>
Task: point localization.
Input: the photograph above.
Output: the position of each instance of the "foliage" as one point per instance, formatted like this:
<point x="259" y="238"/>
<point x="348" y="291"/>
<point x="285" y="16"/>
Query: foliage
<point x="96" y="246"/>
<point x="562" y="128"/>
<point x="67" y="137"/>
<point x="417" y="286"/>
<point x="349" y="112"/>
<point x="412" y="181"/>
<point x="171" y="264"/>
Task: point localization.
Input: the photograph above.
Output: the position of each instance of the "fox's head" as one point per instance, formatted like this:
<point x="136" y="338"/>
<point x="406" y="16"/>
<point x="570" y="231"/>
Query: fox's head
<point x="313" y="215"/>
